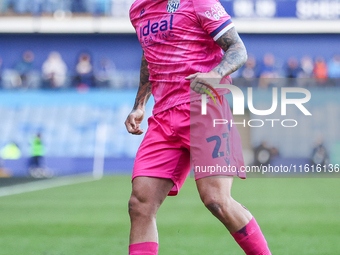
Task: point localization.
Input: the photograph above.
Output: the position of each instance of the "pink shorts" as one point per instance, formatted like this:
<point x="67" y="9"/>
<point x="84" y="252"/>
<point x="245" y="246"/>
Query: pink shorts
<point x="181" y="138"/>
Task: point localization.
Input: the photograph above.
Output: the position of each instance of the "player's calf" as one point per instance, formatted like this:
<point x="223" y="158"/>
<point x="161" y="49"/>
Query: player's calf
<point x="147" y="196"/>
<point x="215" y="194"/>
<point x="143" y="236"/>
<point x="232" y="214"/>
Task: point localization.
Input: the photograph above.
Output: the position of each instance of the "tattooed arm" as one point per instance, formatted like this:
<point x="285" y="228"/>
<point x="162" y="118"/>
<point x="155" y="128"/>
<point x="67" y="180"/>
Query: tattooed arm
<point x="235" y="53"/>
<point x="144" y="90"/>
<point x="235" y="56"/>
<point x="136" y="116"/>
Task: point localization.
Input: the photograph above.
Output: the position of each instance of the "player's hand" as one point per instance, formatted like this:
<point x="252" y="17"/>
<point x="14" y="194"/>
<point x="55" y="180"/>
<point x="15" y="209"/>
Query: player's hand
<point x="133" y="122"/>
<point x="200" y="82"/>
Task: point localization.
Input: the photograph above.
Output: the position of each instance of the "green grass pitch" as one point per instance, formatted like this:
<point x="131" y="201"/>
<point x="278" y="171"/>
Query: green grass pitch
<point x="297" y="216"/>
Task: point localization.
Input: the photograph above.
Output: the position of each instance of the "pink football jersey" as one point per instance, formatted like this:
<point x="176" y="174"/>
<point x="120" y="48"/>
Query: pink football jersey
<point x="178" y="38"/>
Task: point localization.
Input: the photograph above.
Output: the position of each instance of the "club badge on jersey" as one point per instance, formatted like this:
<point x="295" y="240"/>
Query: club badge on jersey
<point x="173" y="5"/>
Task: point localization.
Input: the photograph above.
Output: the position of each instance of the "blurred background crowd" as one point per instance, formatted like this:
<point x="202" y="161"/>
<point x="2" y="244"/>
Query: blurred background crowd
<point x="68" y="7"/>
<point x="312" y="72"/>
<point x="54" y="73"/>
<point x="89" y="72"/>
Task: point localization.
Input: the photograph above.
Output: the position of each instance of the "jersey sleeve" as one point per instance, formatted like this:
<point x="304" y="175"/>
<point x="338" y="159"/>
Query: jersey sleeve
<point x="212" y="17"/>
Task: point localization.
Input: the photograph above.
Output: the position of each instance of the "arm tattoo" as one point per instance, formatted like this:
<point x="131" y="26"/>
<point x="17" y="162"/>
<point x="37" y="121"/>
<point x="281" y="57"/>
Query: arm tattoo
<point x="144" y="90"/>
<point x="235" y="53"/>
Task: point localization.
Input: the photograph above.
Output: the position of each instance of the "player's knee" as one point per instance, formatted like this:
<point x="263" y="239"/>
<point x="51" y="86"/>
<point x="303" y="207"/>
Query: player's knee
<point x="140" y="207"/>
<point x="135" y="206"/>
<point x="217" y="206"/>
<point x="214" y="207"/>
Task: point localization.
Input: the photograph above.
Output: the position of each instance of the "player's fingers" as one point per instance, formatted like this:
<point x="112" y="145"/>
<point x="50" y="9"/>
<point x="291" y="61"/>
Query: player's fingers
<point x="191" y="76"/>
<point x="131" y="124"/>
<point x="134" y="129"/>
<point x="201" y="86"/>
<point x="193" y="86"/>
<point x="130" y="129"/>
<point x="139" y="132"/>
<point x="198" y="89"/>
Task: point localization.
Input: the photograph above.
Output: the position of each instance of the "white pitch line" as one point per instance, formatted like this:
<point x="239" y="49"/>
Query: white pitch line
<point x="43" y="184"/>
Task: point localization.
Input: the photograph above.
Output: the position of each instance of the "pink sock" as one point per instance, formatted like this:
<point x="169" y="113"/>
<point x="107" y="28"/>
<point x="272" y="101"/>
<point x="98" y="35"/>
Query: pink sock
<point x="251" y="239"/>
<point x="148" y="248"/>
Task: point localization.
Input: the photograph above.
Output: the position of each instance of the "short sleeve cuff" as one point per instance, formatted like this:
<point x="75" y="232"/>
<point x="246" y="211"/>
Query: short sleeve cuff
<point x="217" y="33"/>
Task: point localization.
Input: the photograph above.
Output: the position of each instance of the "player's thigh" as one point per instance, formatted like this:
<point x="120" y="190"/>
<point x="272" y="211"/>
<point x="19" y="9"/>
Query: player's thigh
<point x="215" y="189"/>
<point x="149" y="191"/>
